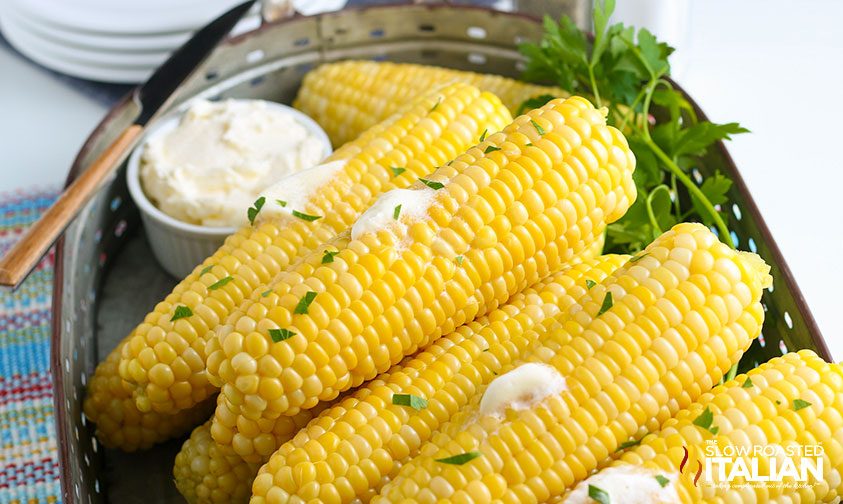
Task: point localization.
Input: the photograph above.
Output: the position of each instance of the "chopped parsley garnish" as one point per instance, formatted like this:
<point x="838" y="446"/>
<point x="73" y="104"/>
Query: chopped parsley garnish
<point x="491" y="148"/>
<point x="304" y="216"/>
<point x="629" y="444"/>
<point x="778" y="402"/>
<point x="459" y="260"/>
<point x="220" y="283"/>
<point x="747" y="383"/>
<point x="396" y="212"/>
<point x="397" y="170"/>
<point x="255" y="210"/>
<point x="460" y="459"/>
<point x="483" y="136"/>
<point x="266" y="293"/>
<point x="537" y="126"/>
<point x="607" y="304"/>
<point x="799" y="404"/>
<point x="304" y="303"/>
<point x="436" y="105"/>
<point x="714" y="430"/>
<point x="432" y="184"/>
<point x="534" y="103"/>
<point x="528" y="144"/>
<point x="280" y="334"/>
<point x="206" y="269"/>
<point x="181" y="312"/>
<point x="705" y="419"/>
<point x="598" y="494"/>
<point x="590" y="283"/>
<point x="637" y="258"/>
<point x="413" y="401"/>
<point x="281" y="202"/>
<point x="328" y="256"/>
<point x="662" y="480"/>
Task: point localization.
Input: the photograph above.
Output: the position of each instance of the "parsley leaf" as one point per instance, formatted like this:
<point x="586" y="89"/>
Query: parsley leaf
<point x="460" y="459"/>
<point x="304" y="303"/>
<point x="705" y="419"/>
<point x="396" y="212"/>
<point x="537" y="126"/>
<point x="436" y="105"/>
<point x="607" y="304"/>
<point x="181" y="312"/>
<point x="638" y="257"/>
<point x="714" y="188"/>
<point x="220" y="283"/>
<point x="590" y="283"/>
<point x="253" y="211"/>
<point x="491" y="148"/>
<point x="799" y="404"/>
<point x="397" y="170"/>
<point x="280" y="334"/>
<point x="282" y="203"/>
<point x="533" y="103"/>
<point x="328" y="256"/>
<point x="747" y="383"/>
<point x="413" y="401"/>
<point x="304" y="216"/>
<point x="663" y="482"/>
<point x="206" y="269"/>
<point x="459" y="260"/>
<point x="432" y="184"/>
<point x="483" y="135"/>
<point x="598" y="494"/>
<point x="628" y="444"/>
<point x="266" y="293"/>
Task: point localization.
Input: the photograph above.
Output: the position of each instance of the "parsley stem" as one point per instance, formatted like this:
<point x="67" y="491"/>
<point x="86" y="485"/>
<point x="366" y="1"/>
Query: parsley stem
<point x="593" y="82"/>
<point x="657" y="230"/>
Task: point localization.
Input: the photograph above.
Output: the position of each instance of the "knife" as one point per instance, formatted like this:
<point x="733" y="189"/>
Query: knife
<point x="150" y="97"/>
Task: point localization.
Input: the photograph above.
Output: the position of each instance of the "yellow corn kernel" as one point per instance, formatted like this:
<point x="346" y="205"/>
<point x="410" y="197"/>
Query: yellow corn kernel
<point x="349" y="96"/>
<point x="445" y="375"/>
<point x="613" y="353"/>
<point x="432" y="293"/>
<point x="416" y="141"/>
<point x="789" y="409"/>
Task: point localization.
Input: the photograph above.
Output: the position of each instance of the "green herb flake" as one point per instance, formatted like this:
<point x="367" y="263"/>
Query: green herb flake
<point x="206" y="269"/>
<point x="598" y="494"/>
<point x="537" y="126"/>
<point x="637" y="258"/>
<point x="304" y="216"/>
<point x="304" y="303"/>
<point x="483" y="136"/>
<point x="253" y="211"/>
<point x="705" y="419"/>
<point x="436" y="105"/>
<point x="799" y="404"/>
<point x="328" y="256"/>
<point x="266" y="293"/>
<point x="181" y="312"/>
<point x="396" y="212"/>
<point x="280" y="334"/>
<point x="528" y="144"/>
<point x="589" y="283"/>
<point x="432" y="184"/>
<point x="397" y="170"/>
<point x="747" y="383"/>
<point x="460" y="459"/>
<point x="281" y="202"/>
<point x="778" y="402"/>
<point x="714" y="430"/>
<point x="413" y="401"/>
<point x="220" y="283"/>
<point x="628" y="444"/>
<point x="491" y="148"/>
<point x="663" y="482"/>
<point x="459" y="260"/>
<point x="607" y="304"/>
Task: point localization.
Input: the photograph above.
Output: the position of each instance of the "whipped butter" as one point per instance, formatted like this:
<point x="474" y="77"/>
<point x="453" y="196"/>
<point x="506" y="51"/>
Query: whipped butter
<point x="221" y="156"/>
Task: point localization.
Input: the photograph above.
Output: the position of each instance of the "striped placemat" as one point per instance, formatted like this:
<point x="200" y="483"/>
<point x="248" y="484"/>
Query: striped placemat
<point x="29" y="462"/>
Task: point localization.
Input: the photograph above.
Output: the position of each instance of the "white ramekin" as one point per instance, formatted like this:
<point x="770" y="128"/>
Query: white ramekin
<point x="179" y="246"/>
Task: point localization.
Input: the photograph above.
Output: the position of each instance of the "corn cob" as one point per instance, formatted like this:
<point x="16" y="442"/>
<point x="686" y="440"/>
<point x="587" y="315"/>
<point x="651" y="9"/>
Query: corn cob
<point x="110" y="405"/>
<point x="165" y="359"/>
<point x="349" y="96"/>
<point x="506" y="214"/>
<point x="443" y="375"/>
<point x="793" y="403"/>
<point x="686" y="306"/>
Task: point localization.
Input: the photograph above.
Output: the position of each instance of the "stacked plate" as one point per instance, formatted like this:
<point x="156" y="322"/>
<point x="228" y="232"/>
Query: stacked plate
<point x="112" y="41"/>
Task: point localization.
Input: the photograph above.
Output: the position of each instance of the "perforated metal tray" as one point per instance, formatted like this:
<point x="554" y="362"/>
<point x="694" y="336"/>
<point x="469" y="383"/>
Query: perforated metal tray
<point x="106" y="278"/>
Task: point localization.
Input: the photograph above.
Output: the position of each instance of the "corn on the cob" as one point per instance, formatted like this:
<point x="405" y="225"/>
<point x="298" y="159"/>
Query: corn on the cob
<point x="365" y="438"/>
<point x="789" y="410"/>
<point x="165" y="359"/>
<point x="349" y="96"/>
<point x="110" y="405"/>
<point x="688" y="305"/>
<point x="507" y="213"/>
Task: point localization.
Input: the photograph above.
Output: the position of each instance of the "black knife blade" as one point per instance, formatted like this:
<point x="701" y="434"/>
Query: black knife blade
<point x="155" y="93"/>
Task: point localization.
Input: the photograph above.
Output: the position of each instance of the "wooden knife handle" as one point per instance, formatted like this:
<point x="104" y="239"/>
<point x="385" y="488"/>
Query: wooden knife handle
<point x="25" y="254"/>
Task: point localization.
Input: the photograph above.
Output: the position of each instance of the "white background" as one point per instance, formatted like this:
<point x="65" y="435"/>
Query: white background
<point x="776" y="66"/>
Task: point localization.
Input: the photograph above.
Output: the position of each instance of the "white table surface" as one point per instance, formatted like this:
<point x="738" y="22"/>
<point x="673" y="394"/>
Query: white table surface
<point x="774" y="65"/>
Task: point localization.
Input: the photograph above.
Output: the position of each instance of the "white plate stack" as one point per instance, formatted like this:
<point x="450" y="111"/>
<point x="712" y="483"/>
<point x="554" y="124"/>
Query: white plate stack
<point x="119" y="41"/>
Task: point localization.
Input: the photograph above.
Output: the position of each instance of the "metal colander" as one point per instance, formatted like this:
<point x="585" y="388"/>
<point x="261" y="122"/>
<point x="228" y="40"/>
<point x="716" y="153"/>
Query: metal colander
<point x="106" y="279"/>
